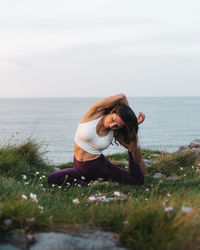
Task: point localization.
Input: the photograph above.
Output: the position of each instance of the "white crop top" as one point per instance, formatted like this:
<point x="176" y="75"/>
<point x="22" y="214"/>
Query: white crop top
<point x="87" y="138"/>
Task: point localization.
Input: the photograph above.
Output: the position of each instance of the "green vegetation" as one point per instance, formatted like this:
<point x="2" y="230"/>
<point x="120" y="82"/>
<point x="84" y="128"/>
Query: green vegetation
<point x="156" y="215"/>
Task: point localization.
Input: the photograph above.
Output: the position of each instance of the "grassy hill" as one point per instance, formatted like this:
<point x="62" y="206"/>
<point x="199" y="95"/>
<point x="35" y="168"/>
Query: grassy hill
<point x="162" y="214"/>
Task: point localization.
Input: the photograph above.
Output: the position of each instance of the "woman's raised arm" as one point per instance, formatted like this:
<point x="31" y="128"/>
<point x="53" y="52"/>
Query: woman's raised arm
<point x="98" y="108"/>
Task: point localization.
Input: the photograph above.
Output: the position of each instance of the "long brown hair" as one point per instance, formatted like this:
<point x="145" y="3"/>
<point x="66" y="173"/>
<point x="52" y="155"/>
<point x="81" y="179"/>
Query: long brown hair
<point x="128" y="133"/>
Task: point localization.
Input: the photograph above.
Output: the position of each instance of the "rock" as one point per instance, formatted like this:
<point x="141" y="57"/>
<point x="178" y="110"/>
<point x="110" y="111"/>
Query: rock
<point x="194" y="146"/>
<point x="147" y="162"/>
<point x="8" y="247"/>
<point x="195" y="143"/>
<point x="155" y="155"/>
<point x="174" y="177"/>
<point x="158" y="176"/>
<point x="96" y="240"/>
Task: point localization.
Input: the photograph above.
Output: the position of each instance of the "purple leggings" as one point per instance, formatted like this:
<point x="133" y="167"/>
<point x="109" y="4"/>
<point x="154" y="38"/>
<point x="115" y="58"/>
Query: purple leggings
<point x="84" y="172"/>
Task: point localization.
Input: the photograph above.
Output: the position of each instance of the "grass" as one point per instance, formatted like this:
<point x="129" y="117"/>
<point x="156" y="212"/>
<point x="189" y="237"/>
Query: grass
<point x="140" y="219"/>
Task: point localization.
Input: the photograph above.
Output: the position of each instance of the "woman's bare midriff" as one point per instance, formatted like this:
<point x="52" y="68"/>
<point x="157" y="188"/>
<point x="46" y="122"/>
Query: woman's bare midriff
<point x="82" y="155"/>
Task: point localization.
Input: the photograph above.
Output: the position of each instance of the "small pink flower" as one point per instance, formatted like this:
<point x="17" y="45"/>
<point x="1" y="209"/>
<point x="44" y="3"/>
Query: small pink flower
<point x="31" y="238"/>
<point x="7" y="222"/>
<point x="30" y="221"/>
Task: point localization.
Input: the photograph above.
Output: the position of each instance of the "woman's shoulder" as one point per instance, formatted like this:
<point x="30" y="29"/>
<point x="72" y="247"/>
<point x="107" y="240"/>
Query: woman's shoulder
<point x="88" y="117"/>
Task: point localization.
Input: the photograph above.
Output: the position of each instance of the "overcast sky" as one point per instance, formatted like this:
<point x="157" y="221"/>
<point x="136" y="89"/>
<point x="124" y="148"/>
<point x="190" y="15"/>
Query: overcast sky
<point x="62" y="48"/>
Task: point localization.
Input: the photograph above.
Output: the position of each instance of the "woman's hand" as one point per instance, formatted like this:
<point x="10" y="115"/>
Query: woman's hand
<point x="140" y="118"/>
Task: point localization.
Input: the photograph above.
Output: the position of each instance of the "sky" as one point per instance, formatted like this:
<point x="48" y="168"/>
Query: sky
<point x="95" y="48"/>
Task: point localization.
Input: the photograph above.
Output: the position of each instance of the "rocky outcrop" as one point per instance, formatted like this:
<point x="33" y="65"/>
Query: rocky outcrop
<point x="194" y="146"/>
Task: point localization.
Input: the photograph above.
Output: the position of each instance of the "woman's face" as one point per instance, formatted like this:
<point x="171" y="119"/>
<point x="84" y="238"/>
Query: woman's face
<point x="113" y="121"/>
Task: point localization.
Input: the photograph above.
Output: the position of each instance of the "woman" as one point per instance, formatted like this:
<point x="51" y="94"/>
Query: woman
<point x="108" y="118"/>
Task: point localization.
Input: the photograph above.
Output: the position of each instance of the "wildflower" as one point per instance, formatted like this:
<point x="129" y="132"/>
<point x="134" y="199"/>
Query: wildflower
<point x="30" y="221"/>
<point x="68" y="184"/>
<point x="181" y="168"/>
<point x="184" y="175"/>
<point x="161" y="181"/>
<point x="125" y="223"/>
<point x="168" y="209"/>
<point x="40" y="178"/>
<point x="7" y="222"/>
<point x="75" y="180"/>
<point x="82" y="177"/>
<point x="186" y="209"/>
<point x="59" y="187"/>
<point x="26" y="183"/>
<point x="126" y="166"/>
<point x="24" y="196"/>
<point x="24" y="176"/>
<point x="193" y="167"/>
<point x="36" y="173"/>
<point x="146" y="199"/>
<point x="53" y="185"/>
<point x="147" y="190"/>
<point x="151" y="185"/>
<point x="43" y="176"/>
<point x="40" y="207"/>
<point x="92" y="198"/>
<point x="34" y="197"/>
<point x="76" y="201"/>
<point x="31" y="238"/>
<point x="41" y="185"/>
<point x="168" y="194"/>
<point x="79" y="185"/>
<point x="116" y="193"/>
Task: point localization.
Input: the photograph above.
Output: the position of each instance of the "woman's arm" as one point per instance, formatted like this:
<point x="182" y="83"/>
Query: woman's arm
<point x="110" y="101"/>
<point x="98" y="108"/>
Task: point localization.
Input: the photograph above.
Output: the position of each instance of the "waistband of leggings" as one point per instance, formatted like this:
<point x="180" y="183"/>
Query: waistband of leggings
<point x="82" y="163"/>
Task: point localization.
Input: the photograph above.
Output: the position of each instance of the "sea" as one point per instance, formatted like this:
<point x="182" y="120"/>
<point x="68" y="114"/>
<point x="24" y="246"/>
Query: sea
<point x="52" y="122"/>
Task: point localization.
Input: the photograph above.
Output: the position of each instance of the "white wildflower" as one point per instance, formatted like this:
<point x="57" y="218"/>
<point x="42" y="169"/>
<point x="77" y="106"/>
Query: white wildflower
<point x="43" y="176"/>
<point x="186" y="209"/>
<point x="83" y="177"/>
<point x="92" y="198"/>
<point x="41" y="185"/>
<point x="40" y="178"/>
<point x="146" y="199"/>
<point x="76" y="201"/>
<point x="68" y="184"/>
<point x="147" y="190"/>
<point x="24" y="196"/>
<point x="59" y="187"/>
<point x="125" y="222"/>
<point x="33" y="197"/>
<point x="116" y="193"/>
<point x="75" y="180"/>
<point x="26" y="183"/>
<point x="53" y="185"/>
<point x="40" y="207"/>
<point x="193" y="167"/>
<point x="168" y="209"/>
<point x="184" y="175"/>
<point x="161" y="181"/>
<point x="79" y="185"/>
<point x="36" y="172"/>
<point x="181" y="168"/>
<point x="24" y="176"/>
<point x="126" y="167"/>
<point x="168" y="194"/>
